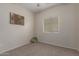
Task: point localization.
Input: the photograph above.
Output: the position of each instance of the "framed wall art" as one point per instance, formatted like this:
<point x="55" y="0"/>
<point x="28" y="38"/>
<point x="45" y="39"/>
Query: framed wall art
<point x="16" y="19"/>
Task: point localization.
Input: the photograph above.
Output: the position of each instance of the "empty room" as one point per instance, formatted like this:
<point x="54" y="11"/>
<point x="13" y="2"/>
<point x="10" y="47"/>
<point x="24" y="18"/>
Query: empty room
<point x="39" y="29"/>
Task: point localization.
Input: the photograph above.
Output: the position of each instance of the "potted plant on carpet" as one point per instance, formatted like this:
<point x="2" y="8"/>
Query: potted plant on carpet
<point x="34" y="40"/>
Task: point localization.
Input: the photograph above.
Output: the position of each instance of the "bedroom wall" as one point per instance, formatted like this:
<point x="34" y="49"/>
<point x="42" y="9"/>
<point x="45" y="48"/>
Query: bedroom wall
<point x="77" y="26"/>
<point x="66" y="37"/>
<point x="12" y="36"/>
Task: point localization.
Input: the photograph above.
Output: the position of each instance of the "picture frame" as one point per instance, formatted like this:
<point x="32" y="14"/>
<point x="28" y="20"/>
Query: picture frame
<point x="16" y="19"/>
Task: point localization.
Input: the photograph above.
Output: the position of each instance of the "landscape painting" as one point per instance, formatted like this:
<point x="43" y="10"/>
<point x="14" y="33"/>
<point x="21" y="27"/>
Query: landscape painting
<point x="16" y="19"/>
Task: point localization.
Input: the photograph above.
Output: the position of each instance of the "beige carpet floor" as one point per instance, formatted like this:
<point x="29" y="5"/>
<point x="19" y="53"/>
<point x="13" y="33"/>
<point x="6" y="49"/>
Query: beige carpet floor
<point x="41" y="49"/>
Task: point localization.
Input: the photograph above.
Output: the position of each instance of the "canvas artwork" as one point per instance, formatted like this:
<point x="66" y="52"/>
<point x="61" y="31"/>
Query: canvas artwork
<point x="16" y="19"/>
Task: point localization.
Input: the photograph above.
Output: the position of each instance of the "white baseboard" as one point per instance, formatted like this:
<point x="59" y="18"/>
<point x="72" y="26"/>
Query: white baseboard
<point x="5" y="50"/>
<point x="60" y="46"/>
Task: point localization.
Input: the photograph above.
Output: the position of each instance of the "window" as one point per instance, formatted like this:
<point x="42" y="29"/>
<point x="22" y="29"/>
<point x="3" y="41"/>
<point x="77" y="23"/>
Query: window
<point x="51" y="25"/>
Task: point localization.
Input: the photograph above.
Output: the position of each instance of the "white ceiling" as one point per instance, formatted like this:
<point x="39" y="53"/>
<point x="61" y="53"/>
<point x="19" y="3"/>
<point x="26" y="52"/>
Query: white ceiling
<point x="34" y="8"/>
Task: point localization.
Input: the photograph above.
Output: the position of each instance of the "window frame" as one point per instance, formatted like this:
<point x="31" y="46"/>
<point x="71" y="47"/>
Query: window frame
<point x="58" y="25"/>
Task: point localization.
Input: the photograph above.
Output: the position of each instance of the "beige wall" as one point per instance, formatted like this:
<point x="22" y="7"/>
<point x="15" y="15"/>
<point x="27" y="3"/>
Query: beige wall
<point x="77" y="26"/>
<point x="66" y="36"/>
<point x="12" y="36"/>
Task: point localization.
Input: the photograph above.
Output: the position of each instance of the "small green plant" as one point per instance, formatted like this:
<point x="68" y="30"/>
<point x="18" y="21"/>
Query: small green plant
<point x="34" y="40"/>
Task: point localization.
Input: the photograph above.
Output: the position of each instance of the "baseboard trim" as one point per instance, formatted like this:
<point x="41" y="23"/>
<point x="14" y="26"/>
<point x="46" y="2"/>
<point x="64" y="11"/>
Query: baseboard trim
<point x="4" y="51"/>
<point x="59" y="46"/>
